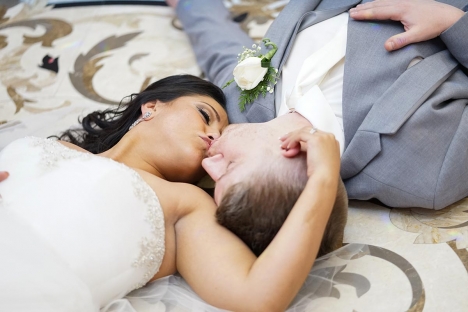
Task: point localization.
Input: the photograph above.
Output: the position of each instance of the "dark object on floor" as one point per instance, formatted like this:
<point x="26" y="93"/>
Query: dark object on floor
<point x="50" y="63"/>
<point x="240" y="18"/>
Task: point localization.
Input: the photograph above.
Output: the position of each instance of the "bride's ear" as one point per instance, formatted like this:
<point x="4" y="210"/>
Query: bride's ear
<point x="148" y="110"/>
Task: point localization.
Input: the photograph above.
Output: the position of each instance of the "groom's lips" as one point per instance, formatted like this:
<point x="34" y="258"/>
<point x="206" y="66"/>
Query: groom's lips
<point x="211" y="149"/>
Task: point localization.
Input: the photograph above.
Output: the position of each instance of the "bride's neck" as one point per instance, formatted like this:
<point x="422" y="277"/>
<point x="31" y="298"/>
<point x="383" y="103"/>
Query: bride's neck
<point x="132" y="152"/>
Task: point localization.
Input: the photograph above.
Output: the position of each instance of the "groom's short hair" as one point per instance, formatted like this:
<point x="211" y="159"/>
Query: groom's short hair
<point x="255" y="209"/>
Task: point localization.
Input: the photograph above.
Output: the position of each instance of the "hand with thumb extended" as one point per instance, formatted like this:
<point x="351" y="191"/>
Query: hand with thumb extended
<point x="422" y="19"/>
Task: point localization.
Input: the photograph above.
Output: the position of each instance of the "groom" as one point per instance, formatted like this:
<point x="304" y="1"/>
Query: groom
<point x="389" y="80"/>
<point x="402" y="110"/>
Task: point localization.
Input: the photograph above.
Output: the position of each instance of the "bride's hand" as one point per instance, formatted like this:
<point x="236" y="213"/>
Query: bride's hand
<point x="3" y="175"/>
<point x="323" y="150"/>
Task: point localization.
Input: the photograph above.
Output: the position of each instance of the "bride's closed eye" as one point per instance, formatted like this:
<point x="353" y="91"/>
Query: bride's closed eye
<point x="205" y="115"/>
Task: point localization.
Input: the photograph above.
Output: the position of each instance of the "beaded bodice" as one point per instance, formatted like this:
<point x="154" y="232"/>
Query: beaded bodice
<point x="98" y="214"/>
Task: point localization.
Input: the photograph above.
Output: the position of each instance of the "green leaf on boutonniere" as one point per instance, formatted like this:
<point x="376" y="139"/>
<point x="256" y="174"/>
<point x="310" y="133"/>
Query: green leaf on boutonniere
<point x="266" y="63"/>
<point x="254" y="73"/>
<point x="228" y="83"/>
<point x="265" y="86"/>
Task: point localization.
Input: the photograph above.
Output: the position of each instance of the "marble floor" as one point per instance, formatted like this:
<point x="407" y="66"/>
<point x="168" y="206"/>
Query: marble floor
<point x="57" y="64"/>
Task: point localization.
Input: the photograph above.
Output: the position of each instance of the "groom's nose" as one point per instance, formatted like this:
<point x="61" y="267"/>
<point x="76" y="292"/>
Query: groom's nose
<point x="215" y="166"/>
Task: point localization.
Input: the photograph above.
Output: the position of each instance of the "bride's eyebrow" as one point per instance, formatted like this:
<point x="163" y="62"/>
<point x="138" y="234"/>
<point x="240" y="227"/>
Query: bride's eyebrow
<point x="216" y="112"/>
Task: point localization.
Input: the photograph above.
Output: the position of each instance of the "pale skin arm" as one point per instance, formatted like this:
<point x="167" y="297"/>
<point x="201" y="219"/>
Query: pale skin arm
<point x="422" y="19"/>
<point x="225" y="273"/>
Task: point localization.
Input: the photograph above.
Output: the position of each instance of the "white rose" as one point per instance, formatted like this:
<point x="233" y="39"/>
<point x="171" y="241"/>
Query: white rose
<point x="249" y="73"/>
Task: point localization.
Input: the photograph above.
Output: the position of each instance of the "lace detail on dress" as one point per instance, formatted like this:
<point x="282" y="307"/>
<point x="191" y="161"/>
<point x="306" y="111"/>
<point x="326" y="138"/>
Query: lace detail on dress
<point x="152" y="249"/>
<point x="54" y="151"/>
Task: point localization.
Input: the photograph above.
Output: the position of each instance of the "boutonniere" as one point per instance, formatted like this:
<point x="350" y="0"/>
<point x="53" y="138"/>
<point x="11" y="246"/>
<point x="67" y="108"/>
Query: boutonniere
<point x="254" y="74"/>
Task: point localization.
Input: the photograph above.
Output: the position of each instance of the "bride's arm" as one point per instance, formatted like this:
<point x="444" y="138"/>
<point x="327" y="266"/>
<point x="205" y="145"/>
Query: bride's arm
<point x="225" y="273"/>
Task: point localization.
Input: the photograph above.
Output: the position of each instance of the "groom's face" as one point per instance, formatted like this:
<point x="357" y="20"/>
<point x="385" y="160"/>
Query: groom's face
<point x="236" y="154"/>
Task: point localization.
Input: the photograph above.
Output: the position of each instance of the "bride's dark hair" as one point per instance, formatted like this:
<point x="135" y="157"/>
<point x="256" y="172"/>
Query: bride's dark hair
<point x="103" y="129"/>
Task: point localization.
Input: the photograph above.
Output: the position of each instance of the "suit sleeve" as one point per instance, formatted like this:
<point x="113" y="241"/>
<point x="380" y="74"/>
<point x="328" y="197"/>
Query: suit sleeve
<point x="215" y="38"/>
<point x="456" y="40"/>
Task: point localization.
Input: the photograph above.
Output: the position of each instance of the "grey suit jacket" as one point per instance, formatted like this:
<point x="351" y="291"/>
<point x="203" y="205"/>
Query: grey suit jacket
<point x="406" y="129"/>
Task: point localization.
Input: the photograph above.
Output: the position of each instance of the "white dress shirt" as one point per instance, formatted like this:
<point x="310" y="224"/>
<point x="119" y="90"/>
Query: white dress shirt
<point x="312" y="77"/>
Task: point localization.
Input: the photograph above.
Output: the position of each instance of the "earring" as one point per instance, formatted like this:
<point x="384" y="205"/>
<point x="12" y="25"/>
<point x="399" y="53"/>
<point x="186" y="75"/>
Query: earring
<point x="146" y="115"/>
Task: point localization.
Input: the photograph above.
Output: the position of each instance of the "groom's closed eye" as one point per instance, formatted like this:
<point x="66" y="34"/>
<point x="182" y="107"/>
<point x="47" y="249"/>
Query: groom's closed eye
<point x="228" y="170"/>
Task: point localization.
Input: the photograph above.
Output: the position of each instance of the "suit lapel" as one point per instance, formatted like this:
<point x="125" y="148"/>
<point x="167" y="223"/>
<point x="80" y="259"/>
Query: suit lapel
<point x="370" y="70"/>
<point x="397" y="105"/>
<point x="379" y="92"/>
<point x="297" y="16"/>
<point x="312" y="18"/>
<point x="394" y="107"/>
<point x="283" y="32"/>
<point x="284" y="28"/>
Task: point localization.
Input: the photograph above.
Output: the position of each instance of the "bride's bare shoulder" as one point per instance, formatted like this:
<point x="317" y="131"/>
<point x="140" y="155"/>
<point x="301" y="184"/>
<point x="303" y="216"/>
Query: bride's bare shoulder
<point x="179" y="198"/>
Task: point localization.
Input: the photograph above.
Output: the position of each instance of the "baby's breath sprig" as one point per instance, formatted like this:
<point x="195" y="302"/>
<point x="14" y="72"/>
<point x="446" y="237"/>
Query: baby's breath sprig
<point x="249" y="53"/>
<point x="254" y="74"/>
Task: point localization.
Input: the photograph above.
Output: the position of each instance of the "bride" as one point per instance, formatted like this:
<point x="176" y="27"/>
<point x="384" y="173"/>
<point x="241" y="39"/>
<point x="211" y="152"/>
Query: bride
<point x="84" y="223"/>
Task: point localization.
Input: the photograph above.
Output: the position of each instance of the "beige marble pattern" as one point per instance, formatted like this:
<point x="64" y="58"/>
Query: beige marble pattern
<point x="396" y="259"/>
<point x="440" y="268"/>
<point x="103" y="54"/>
<point x="441" y="226"/>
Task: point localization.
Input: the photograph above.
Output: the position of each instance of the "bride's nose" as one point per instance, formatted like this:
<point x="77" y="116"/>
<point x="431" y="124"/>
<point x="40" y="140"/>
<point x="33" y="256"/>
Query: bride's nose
<point x="213" y="136"/>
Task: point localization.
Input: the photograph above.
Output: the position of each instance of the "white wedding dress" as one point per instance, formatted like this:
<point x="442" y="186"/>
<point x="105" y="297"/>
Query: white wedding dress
<point x="78" y="232"/>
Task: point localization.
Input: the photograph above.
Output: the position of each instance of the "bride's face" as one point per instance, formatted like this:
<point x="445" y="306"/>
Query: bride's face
<point x="186" y="128"/>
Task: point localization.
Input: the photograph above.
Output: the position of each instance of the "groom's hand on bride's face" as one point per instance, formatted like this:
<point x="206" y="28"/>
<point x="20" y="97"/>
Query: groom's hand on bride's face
<point x="3" y="175"/>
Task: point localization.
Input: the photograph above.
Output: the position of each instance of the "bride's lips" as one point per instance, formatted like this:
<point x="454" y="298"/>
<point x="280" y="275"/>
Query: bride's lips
<point x="212" y="147"/>
<point x="207" y="141"/>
